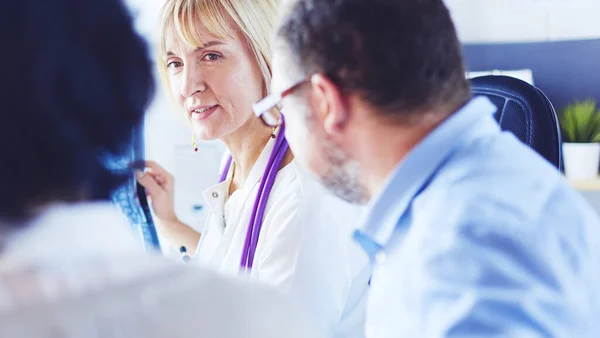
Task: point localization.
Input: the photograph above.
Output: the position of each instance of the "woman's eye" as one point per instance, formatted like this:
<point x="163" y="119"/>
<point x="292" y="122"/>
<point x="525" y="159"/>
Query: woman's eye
<point x="211" y="57"/>
<point x="173" y="64"/>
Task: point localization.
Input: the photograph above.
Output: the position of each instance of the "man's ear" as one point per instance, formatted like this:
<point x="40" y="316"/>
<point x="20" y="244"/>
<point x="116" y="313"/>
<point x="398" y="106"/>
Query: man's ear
<point x="329" y="104"/>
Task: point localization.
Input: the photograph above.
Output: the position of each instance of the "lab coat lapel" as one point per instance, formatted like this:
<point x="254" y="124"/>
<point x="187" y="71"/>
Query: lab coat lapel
<point x="239" y="222"/>
<point x="212" y="235"/>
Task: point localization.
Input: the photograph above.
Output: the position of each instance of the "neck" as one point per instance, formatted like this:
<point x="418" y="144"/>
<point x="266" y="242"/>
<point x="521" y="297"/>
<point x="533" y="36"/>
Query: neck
<point x="382" y="145"/>
<point x="245" y="146"/>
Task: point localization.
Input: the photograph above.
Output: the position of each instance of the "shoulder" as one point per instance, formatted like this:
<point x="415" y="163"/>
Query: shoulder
<point x="501" y="200"/>
<point x="497" y="179"/>
<point x="176" y="300"/>
<point x="499" y="193"/>
<point x="214" y="301"/>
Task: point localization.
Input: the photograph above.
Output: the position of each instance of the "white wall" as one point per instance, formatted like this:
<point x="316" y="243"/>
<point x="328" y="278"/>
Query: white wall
<point x="505" y="21"/>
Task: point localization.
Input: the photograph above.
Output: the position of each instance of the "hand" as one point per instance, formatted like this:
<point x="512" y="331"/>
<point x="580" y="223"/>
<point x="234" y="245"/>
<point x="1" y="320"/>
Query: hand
<point x="160" y="188"/>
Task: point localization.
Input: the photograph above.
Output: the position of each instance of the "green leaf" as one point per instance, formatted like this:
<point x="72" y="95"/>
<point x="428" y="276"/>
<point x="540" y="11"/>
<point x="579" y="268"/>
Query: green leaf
<point x="580" y="122"/>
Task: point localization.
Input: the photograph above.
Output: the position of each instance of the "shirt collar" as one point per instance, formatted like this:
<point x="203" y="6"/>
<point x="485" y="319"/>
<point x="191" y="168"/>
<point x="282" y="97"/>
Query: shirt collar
<point x="65" y="233"/>
<point x="417" y="167"/>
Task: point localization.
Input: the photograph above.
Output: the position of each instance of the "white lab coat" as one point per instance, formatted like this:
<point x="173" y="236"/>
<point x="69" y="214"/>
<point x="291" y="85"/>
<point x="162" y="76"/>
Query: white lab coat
<point x="79" y="272"/>
<point x="305" y="246"/>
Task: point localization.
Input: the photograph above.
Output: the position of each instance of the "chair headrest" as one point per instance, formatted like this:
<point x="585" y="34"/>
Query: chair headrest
<point x="525" y="111"/>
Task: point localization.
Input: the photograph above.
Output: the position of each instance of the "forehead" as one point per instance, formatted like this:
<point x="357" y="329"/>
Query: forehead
<point x="185" y="32"/>
<point x="175" y="41"/>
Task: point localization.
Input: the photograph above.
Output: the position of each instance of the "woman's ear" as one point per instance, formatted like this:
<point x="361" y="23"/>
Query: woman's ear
<point x="329" y="103"/>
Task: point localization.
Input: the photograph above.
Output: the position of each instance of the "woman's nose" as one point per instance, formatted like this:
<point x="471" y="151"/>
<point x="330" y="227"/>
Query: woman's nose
<point x="193" y="82"/>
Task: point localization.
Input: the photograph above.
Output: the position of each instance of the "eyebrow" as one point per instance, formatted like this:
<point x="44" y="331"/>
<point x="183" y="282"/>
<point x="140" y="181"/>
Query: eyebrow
<point x="204" y="46"/>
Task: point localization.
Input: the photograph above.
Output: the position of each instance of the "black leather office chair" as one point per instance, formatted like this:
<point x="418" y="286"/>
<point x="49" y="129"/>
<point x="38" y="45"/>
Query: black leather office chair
<point x="525" y="111"/>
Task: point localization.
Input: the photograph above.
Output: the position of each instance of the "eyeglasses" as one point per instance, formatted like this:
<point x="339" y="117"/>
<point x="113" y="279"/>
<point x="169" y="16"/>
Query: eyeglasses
<point x="269" y="108"/>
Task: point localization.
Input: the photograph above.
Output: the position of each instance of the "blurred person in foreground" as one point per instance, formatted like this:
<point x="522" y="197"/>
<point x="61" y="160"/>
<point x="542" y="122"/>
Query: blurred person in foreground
<point x="472" y="233"/>
<point x="76" y="81"/>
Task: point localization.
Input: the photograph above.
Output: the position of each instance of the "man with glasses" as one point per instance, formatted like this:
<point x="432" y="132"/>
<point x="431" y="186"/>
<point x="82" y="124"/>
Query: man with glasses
<point x="471" y="232"/>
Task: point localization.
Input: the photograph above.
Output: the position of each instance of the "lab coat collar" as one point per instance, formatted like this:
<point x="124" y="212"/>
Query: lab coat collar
<point x="68" y="233"/>
<point x="418" y="166"/>
<point x="216" y="196"/>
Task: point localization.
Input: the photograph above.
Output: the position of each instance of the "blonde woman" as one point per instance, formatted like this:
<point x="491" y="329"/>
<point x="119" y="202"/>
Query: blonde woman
<point x="268" y="219"/>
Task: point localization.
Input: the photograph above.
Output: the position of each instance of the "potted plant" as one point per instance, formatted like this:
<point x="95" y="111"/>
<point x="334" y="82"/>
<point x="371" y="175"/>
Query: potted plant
<point x="580" y="123"/>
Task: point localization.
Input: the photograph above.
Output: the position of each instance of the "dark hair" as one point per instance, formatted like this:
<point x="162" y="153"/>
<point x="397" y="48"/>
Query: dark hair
<point x="76" y="81"/>
<point x="400" y="56"/>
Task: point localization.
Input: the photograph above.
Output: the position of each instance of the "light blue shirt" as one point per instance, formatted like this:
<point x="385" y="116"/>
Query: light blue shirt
<point x="475" y="235"/>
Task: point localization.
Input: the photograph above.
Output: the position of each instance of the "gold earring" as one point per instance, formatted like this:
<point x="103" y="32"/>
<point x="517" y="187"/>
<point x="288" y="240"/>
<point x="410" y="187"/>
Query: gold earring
<point x="194" y="142"/>
<point x="273" y="132"/>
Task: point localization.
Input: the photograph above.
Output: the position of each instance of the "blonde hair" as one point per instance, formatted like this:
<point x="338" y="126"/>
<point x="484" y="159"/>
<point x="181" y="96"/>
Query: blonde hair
<point x="255" y="20"/>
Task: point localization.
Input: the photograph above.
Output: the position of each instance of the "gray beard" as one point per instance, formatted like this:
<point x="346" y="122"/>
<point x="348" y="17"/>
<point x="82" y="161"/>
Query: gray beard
<point x="341" y="179"/>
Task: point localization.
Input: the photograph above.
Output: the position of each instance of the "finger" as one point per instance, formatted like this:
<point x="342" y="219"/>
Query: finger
<point x="158" y="177"/>
<point x="155" y="167"/>
<point x="160" y="171"/>
<point x="149" y="183"/>
<point x="154" y="174"/>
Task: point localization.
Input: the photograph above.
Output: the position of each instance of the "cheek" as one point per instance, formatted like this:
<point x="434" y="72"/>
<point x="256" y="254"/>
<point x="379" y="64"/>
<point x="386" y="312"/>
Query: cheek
<point x="316" y="156"/>
<point x="174" y="87"/>
<point x="296" y="132"/>
<point x="306" y="143"/>
<point x="293" y="134"/>
<point x="241" y="86"/>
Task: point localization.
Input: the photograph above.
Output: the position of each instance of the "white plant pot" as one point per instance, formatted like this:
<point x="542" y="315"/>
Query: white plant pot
<point x="581" y="160"/>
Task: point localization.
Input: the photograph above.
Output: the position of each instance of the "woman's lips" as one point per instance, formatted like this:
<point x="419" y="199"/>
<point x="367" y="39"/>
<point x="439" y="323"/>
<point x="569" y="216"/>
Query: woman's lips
<point x="203" y="113"/>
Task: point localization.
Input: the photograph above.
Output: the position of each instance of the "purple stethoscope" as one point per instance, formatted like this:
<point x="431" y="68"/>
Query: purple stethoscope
<point x="260" y="204"/>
